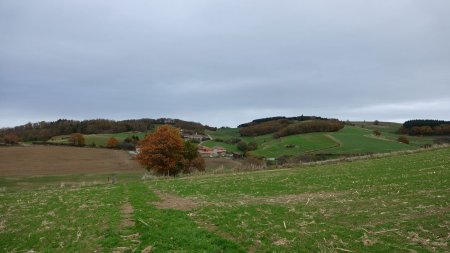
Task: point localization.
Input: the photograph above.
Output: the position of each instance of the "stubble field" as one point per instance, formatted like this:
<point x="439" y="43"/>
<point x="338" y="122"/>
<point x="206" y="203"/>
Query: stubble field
<point x="58" y="160"/>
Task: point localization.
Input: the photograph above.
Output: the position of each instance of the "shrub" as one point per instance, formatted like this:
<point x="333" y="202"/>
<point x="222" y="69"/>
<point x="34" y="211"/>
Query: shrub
<point x="252" y="162"/>
<point x="11" y="138"/>
<point x="403" y="139"/>
<point x="242" y="146"/>
<point x="252" y="146"/>
<point x="199" y="163"/>
<point x="77" y="139"/>
<point x="128" y="145"/>
<point x="112" y="143"/>
<point x="192" y="159"/>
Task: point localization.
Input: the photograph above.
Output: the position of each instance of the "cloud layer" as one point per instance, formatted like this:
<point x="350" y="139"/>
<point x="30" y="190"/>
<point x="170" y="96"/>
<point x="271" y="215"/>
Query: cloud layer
<point x="224" y="62"/>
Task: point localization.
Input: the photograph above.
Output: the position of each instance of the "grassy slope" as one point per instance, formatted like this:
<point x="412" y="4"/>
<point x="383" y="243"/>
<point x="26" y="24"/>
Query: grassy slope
<point x="389" y="131"/>
<point x="361" y="140"/>
<point x="303" y="143"/>
<point x="350" y="140"/>
<point x="398" y="203"/>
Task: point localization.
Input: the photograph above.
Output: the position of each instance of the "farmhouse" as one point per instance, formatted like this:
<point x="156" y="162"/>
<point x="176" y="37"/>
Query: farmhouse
<point x="188" y="135"/>
<point x="211" y="152"/>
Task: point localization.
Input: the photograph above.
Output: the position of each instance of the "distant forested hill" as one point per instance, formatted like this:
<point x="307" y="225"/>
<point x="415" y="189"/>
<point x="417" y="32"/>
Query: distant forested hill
<point x="425" y="127"/>
<point x="42" y="131"/>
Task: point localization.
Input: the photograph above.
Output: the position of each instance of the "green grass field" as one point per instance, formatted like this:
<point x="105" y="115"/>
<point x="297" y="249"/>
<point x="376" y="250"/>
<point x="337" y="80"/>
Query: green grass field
<point x="389" y="131"/>
<point x="348" y="141"/>
<point x="302" y="144"/>
<point x="360" y="140"/>
<point x="99" y="139"/>
<point x="393" y="204"/>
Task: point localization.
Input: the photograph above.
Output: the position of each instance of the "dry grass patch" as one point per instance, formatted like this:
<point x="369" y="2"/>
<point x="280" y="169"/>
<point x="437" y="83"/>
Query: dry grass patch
<point x="170" y="201"/>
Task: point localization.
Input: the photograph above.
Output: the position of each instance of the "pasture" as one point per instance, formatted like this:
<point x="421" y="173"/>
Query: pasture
<point x="351" y="140"/>
<point x="389" y="131"/>
<point x="97" y="139"/>
<point x="390" y="204"/>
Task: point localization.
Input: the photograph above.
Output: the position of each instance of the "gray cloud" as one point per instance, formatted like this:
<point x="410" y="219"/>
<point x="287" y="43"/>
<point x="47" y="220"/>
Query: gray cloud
<point x="224" y="62"/>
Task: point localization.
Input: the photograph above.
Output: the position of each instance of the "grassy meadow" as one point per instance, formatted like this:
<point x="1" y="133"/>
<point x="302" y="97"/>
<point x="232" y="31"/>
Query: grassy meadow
<point x="351" y="140"/>
<point x="391" y="204"/>
<point x="97" y="139"/>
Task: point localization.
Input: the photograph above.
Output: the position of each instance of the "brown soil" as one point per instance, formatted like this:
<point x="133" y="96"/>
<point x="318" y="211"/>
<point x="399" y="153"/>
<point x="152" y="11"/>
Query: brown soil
<point x="51" y="160"/>
<point x="170" y="201"/>
<point x="127" y="213"/>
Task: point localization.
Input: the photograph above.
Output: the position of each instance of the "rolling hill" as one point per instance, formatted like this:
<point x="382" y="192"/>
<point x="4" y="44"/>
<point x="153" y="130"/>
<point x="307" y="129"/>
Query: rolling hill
<point x="352" y="139"/>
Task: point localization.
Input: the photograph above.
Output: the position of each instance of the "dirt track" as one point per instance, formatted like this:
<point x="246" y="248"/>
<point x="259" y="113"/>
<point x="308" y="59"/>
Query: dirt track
<point x="51" y="160"/>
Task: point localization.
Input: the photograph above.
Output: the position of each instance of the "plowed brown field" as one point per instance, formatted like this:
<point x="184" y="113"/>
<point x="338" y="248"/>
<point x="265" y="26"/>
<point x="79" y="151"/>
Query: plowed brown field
<point x="51" y="160"/>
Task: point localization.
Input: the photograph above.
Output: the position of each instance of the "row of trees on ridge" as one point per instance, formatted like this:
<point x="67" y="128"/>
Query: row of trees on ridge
<point x="282" y="126"/>
<point x="425" y="127"/>
<point x="42" y="131"/>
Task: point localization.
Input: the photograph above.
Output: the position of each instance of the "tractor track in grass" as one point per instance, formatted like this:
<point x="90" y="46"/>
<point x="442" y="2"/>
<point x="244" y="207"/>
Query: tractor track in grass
<point x="171" y="201"/>
<point x="129" y="238"/>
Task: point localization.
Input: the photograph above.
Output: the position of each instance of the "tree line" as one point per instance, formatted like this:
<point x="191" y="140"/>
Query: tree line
<point x="42" y="131"/>
<point x="297" y="118"/>
<point x="425" y="127"/>
<point x="310" y="127"/>
<point x="281" y="127"/>
<point x="265" y="127"/>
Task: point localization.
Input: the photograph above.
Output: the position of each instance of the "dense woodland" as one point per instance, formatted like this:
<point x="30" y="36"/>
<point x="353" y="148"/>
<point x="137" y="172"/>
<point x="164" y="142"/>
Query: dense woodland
<point x="310" y="127"/>
<point x="42" y="131"/>
<point x="282" y="126"/>
<point x="425" y="127"/>
<point x="264" y="127"/>
<point x="262" y="120"/>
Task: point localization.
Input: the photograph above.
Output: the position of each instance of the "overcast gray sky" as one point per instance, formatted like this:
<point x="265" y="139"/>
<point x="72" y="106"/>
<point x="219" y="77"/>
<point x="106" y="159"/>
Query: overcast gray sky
<point x="224" y="62"/>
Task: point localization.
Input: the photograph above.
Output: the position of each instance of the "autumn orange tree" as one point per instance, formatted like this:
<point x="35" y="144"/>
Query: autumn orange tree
<point x="112" y="143"/>
<point x="77" y="139"/>
<point x="162" y="151"/>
